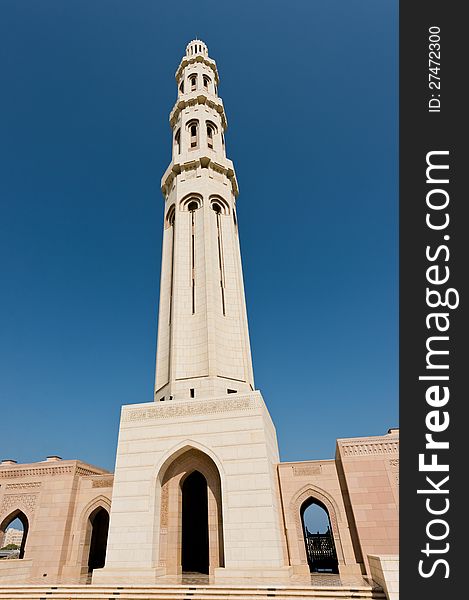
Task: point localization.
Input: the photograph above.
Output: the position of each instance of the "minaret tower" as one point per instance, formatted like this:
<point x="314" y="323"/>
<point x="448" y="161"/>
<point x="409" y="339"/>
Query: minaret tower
<point x="203" y="340"/>
<point x="196" y="483"/>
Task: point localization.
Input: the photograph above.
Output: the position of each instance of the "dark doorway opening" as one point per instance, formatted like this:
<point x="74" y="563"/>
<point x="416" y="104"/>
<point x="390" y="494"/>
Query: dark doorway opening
<point x="99" y="529"/>
<point x="195" y="524"/>
<point x="320" y="547"/>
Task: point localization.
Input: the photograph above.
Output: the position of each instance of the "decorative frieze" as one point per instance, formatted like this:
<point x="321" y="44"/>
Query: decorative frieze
<point x="36" y="471"/>
<point x="189" y="409"/>
<point x="364" y="448"/>
<point x="41" y="471"/>
<point x="164" y="507"/>
<point x="303" y="470"/>
<point x="103" y="482"/>
<point x="23" y="485"/>
<point x="84" y="471"/>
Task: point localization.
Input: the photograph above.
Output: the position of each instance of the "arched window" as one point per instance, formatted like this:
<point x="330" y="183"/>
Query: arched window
<point x="170" y="216"/>
<point x="319" y="541"/>
<point x="14" y="532"/>
<point x="211" y="130"/>
<point x="181" y="87"/>
<point x="193" y="82"/>
<point x="191" y="203"/>
<point x="177" y="141"/>
<point x="219" y="205"/>
<point x="193" y="127"/>
<point x="207" y="82"/>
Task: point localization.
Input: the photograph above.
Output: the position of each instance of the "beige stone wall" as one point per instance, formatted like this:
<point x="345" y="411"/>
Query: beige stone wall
<point x="368" y="468"/>
<point x="14" y="571"/>
<point x="237" y="435"/>
<point x="254" y="505"/>
<point x="384" y="571"/>
<point x="53" y="496"/>
<point x="317" y="480"/>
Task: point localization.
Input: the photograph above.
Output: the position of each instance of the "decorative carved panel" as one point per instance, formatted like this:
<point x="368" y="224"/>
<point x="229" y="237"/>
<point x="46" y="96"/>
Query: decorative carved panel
<point x="21" y="501"/>
<point x="364" y="448"/>
<point x="103" y="482"/>
<point x="189" y="409"/>
<point x="307" y="470"/>
<point x="23" y="485"/>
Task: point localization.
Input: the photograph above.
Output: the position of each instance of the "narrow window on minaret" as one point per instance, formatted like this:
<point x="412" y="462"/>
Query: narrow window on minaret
<point x="171" y="222"/>
<point x="193" y="135"/>
<point x="193" y="80"/>
<point x="193" y="206"/>
<point x="210" y="136"/>
<point x="177" y="140"/>
<point x="217" y="208"/>
<point x="206" y="82"/>
<point x="181" y="87"/>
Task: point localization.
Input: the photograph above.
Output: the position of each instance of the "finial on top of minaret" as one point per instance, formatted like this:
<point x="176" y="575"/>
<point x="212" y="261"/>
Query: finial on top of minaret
<point x="196" y="47"/>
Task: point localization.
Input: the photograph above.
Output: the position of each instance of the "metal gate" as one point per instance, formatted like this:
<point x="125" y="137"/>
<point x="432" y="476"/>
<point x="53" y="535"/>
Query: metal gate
<point x="320" y="550"/>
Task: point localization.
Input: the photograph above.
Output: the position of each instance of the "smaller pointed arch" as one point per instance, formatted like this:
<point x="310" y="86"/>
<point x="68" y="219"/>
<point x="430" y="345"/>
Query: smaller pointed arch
<point x="320" y="547"/>
<point x="219" y="205"/>
<point x="94" y="524"/>
<point x="16" y="514"/>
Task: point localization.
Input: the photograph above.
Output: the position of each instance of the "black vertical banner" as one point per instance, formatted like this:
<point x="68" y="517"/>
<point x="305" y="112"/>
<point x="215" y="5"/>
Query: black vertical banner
<point x="434" y="256"/>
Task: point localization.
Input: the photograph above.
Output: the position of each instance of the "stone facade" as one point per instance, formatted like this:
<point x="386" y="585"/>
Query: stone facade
<point x="369" y="473"/>
<point x="197" y="471"/>
<point x="58" y="498"/>
<point x="54" y="500"/>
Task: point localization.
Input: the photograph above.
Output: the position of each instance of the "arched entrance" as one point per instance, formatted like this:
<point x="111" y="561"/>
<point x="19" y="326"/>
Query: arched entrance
<point x="23" y="520"/>
<point x="99" y="523"/>
<point x="195" y="524"/>
<point x="191" y="524"/>
<point x="318" y="538"/>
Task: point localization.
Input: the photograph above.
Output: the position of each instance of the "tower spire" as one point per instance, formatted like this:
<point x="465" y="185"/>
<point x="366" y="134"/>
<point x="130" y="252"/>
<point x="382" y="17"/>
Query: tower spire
<point x="203" y="340"/>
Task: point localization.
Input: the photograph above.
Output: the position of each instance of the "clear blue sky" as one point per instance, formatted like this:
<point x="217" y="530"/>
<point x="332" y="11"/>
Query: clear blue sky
<point x="310" y="90"/>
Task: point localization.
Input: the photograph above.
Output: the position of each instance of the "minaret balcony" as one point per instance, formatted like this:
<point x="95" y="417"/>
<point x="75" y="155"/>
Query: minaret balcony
<point x="198" y="97"/>
<point x="190" y="60"/>
<point x="200" y="160"/>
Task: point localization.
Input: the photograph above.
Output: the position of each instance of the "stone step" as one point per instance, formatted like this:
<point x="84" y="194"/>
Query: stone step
<point x="179" y="592"/>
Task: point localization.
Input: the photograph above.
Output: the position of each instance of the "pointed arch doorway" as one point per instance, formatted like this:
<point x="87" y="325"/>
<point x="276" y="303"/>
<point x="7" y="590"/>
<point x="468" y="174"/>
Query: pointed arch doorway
<point x="16" y="515"/>
<point x="191" y="524"/>
<point x="99" y="524"/>
<point x="320" y="546"/>
<point x="195" y="539"/>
